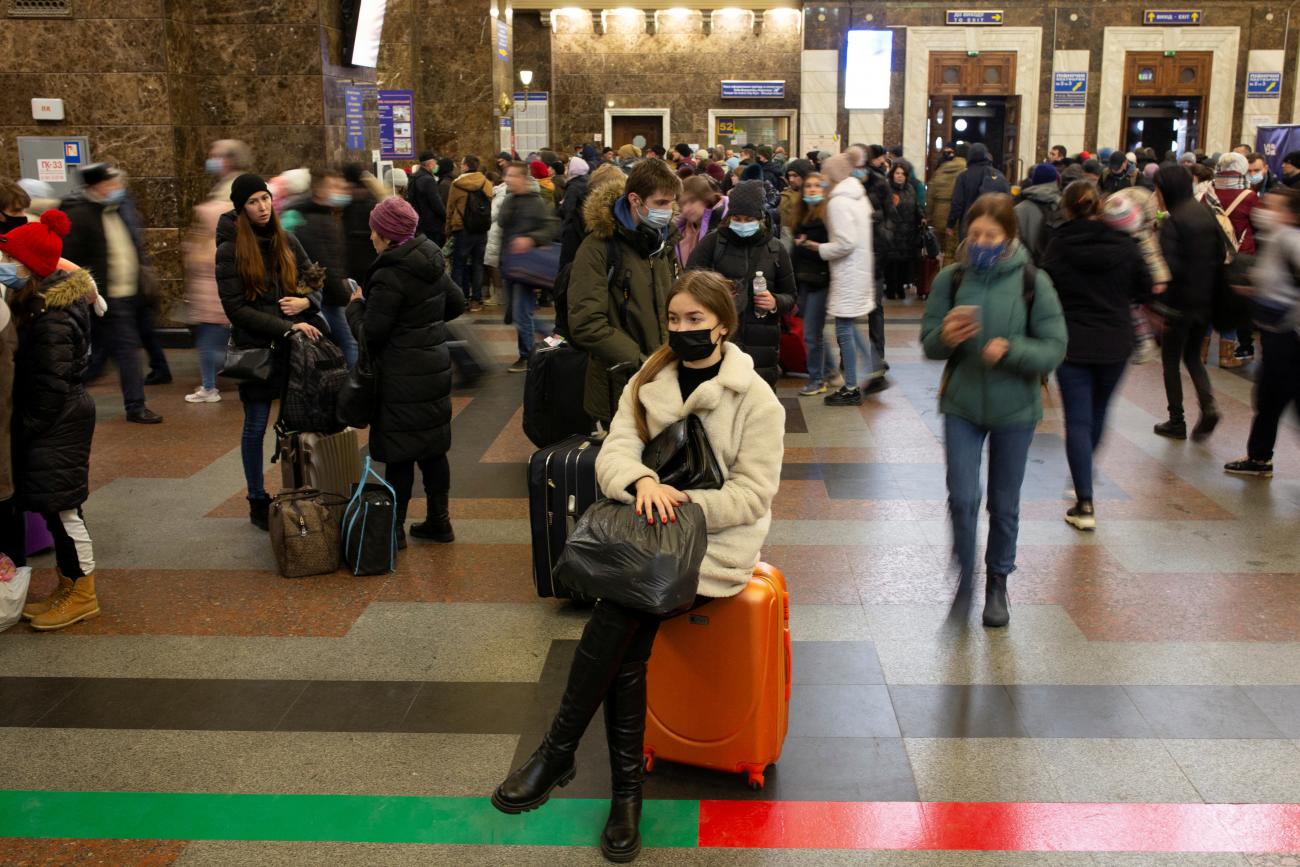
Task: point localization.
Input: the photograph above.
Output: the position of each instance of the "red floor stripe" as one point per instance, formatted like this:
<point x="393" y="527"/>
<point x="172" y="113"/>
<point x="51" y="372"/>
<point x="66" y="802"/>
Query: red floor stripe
<point x="1015" y="827"/>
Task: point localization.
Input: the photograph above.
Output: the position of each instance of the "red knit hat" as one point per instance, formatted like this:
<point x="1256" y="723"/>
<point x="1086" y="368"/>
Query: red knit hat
<point x="39" y="246"/>
<point x="538" y="169"/>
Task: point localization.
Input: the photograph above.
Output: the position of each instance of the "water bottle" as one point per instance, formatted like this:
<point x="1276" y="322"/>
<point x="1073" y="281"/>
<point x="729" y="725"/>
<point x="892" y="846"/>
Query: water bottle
<point x="760" y="288"/>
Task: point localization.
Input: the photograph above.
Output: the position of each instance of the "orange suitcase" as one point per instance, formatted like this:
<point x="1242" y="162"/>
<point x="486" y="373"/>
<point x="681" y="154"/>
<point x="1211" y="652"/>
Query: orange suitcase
<point x="718" y="693"/>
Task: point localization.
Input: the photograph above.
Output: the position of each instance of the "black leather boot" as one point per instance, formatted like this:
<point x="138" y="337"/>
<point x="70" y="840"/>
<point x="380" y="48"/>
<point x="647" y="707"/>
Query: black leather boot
<point x="595" y="664"/>
<point x="625" y="707"/>
<point x="436" y="527"/>
<point x="259" y="513"/>
<point x="996" y="612"/>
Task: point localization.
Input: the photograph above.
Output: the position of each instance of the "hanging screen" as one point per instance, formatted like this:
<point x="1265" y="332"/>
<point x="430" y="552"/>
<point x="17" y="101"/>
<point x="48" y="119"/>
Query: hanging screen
<point x="868" y="66"/>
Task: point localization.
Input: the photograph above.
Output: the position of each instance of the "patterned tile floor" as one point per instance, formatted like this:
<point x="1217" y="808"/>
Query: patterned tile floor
<point x="1143" y="708"/>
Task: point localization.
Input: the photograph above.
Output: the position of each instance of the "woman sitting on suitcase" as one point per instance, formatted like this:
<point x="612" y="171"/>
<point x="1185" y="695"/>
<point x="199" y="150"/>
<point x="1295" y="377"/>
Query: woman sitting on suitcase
<point x="698" y="372"/>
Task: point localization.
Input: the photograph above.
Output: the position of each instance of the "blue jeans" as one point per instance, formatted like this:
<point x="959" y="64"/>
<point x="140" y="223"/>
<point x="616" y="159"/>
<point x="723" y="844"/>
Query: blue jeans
<point x="523" y="310"/>
<point x="963" y="444"/>
<point x="211" y="339"/>
<point x="1086" y="390"/>
<point x="812" y="307"/>
<point x="341" y="332"/>
<point x="856" y="351"/>
<point x="257" y="413"/>
<point x="467" y="263"/>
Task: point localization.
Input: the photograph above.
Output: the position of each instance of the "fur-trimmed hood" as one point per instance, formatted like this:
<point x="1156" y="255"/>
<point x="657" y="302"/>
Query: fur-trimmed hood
<point x="63" y="289"/>
<point x="599" y="213"/>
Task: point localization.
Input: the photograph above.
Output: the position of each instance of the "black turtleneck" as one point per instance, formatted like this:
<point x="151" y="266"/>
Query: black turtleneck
<point x="691" y="378"/>
<point x="266" y="230"/>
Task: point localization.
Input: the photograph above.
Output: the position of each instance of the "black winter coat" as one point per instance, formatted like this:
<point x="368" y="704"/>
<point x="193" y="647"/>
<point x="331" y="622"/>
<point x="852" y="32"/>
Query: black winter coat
<point x="53" y="416"/>
<point x="812" y="273"/>
<point x="1098" y="273"/>
<point x="422" y="192"/>
<point x="359" y="253"/>
<point x="572" y="227"/>
<point x="526" y="214"/>
<point x="86" y="244"/>
<point x="1192" y="244"/>
<point x="902" y="226"/>
<point x="980" y="173"/>
<point x="321" y="236"/>
<point x="409" y="297"/>
<point x="739" y="259"/>
<point x="260" y="322"/>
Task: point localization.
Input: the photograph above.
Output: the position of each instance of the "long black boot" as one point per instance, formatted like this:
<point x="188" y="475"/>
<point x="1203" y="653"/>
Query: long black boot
<point x="401" y="526"/>
<point x="436" y="526"/>
<point x="996" y="609"/>
<point x="595" y="665"/>
<point x="625" y="707"/>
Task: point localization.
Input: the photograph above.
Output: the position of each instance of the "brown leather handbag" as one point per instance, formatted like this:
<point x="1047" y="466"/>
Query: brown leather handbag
<point x="304" y="525"/>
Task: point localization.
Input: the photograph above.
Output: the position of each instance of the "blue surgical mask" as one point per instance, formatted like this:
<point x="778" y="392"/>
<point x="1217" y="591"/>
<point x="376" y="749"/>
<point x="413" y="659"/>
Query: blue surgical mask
<point x="984" y="256"/>
<point x="813" y="200"/>
<point x="9" y="275"/>
<point x="215" y="166"/>
<point x="657" y="218"/>
<point x="859" y="173"/>
<point x="340" y="200"/>
<point x="115" y="197"/>
<point x="1255" y="178"/>
<point x="745" y="230"/>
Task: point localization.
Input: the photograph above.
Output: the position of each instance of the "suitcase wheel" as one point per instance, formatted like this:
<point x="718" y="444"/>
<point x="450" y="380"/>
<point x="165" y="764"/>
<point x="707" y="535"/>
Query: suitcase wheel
<point x="754" y="773"/>
<point x="649" y="761"/>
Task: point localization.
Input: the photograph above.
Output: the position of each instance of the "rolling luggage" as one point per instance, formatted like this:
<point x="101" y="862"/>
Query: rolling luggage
<point x="561" y="486"/>
<point x="553" y="392"/>
<point x="330" y="463"/>
<point x="718" y="692"/>
<point x="793" y="351"/>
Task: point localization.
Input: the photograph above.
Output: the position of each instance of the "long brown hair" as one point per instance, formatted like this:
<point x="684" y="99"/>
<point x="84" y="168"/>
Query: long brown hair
<point x="248" y="258"/>
<point x="803" y="212"/>
<point x="713" y="291"/>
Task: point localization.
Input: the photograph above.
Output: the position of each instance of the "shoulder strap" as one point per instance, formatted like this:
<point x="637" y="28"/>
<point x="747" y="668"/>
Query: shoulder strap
<point x="1235" y="202"/>
<point x="616" y="278"/>
<point x="1028" y="292"/>
<point x="717" y="250"/>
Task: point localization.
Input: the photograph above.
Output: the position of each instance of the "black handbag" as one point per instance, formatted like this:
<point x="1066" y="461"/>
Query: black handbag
<point x="359" y="396"/>
<point x="615" y="554"/>
<point x="683" y="458"/>
<point x="251" y="364"/>
<point x="929" y="242"/>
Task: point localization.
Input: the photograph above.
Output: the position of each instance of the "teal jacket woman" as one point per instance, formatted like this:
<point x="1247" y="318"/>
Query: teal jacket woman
<point x="998" y="325"/>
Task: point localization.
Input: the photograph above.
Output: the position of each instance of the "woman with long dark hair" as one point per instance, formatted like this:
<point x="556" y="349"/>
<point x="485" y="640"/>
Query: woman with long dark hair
<point x="259" y="271"/>
<point x="701" y="372"/>
<point x="812" y="275"/>
<point x="1000" y="333"/>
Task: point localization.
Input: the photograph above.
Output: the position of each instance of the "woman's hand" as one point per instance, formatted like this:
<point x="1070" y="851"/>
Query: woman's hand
<point x="293" y="305"/>
<point x="764" y="300"/>
<point x="1159" y="288"/>
<point x="651" y="495"/>
<point x="995" y="350"/>
<point x="958" y="328"/>
<point x="356" y="293"/>
<point x="810" y="245"/>
<point x="312" y="332"/>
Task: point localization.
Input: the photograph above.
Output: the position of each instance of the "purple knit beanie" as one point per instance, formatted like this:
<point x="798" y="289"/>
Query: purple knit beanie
<point x="395" y="220"/>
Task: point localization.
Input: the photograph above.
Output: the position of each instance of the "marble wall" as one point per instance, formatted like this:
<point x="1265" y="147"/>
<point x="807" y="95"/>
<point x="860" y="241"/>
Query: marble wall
<point x="453" y="73"/>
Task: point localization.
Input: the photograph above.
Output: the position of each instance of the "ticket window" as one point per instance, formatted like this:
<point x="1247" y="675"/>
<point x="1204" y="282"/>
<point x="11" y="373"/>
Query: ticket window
<point x="732" y="132"/>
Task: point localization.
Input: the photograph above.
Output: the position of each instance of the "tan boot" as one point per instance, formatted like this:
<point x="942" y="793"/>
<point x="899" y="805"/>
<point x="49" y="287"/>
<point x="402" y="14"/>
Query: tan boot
<point x="1227" y="356"/>
<point x="1205" y="350"/>
<point x="80" y="604"/>
<point x="31" y="609"/>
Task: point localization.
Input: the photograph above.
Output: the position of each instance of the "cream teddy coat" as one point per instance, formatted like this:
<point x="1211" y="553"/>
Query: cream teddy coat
<point x="746" y="427"/>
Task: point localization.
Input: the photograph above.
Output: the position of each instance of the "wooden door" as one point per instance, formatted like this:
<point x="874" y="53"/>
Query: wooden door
<point x="938" y="130"/>
<point x="625" y="128"/>
<point x="1011" y="166"/>
<point x="1151" y="73"/>
<point x="989" y="73"/>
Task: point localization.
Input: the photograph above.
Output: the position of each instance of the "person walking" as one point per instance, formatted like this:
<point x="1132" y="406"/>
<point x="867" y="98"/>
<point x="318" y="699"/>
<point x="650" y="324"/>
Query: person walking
<point x="703" y="210"/>
<point x="698" y="373"/>
<point x="102" y="241"/>
<point x="259" y="269"/>
<point x="902" y="232"/>
<point x="744" y="250"/>
<point x="469" y="219"/>
<point x="53" y="415"/>
<point x="852" y="294"/>
<point x="1193" y="247"/>
<point x="572" y="227"/>
<point x="999" y="333"/>
<point x="1038" y="213"/>
<point x="423" y="195"/>
<point x="365" y="192"/>
<point x="401" y="315"/>
<point x="812" y="276"/>
<point x="1276" y="281"/>
<point x="938" y="199"/>
<point x="980" y="177"/>
<point x="526" y="222"/>
<point x="1099" y="273"/>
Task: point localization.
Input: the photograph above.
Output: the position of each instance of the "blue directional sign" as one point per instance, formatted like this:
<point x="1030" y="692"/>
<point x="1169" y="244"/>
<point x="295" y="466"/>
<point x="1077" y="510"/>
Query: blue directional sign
<point x="1069" y="89"/>
<point x="1165" y="17"/>
<point x="975" y="17"/>
<point x="1264" y="85"/>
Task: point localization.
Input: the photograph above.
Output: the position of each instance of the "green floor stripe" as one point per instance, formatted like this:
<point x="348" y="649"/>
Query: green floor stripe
<point x="328" y="818"/>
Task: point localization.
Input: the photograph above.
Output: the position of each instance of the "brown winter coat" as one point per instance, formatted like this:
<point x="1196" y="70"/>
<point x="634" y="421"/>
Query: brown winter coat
<point x="460" y="190"/>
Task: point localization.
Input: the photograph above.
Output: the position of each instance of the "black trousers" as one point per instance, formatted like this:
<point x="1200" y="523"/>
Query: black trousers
<point x="1182" y="344"/>
<point x="1277" y="387"/>
<point x="401" y="475"/>
<point x="876" y="318"/>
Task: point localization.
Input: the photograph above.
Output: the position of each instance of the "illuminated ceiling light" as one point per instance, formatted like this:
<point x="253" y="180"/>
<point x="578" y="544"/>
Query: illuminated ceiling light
<point x="981" y="103"/>
<point x="783" y="17"/>
<point x="624" y="14"/>
<point x="573" y="13"/>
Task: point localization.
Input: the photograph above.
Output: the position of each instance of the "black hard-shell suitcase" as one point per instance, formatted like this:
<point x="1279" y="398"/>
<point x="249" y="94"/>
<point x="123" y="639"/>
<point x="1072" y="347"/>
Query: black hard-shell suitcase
<point x="561" y="486"/>
<point x="553" y="394"/>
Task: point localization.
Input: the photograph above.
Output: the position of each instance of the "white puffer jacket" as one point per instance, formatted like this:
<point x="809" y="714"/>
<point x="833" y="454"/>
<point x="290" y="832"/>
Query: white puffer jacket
<point x="853" y="271"/>
<point x="746" y="427"/>
<point x="492" y="252"/>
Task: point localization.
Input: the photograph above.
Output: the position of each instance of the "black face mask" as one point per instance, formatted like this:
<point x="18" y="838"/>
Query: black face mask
<point x="8" y="223"/>
<point x="692" y="345"/>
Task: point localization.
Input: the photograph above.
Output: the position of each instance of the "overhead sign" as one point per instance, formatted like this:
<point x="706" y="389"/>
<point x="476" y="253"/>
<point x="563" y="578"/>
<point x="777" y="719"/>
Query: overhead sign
<point x="1264" y="85"/>
<point x="1164" y="17"/>
<point x="753" y="90"/>
<point x="354" y="117"/>
<point x="396" y="124"/>
<point x="1069" y="89"/>
<point x="975" y="17"/>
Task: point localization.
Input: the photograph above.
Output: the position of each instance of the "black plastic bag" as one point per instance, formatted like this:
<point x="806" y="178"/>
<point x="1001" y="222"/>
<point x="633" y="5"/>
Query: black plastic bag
<point x="614" y="554"/>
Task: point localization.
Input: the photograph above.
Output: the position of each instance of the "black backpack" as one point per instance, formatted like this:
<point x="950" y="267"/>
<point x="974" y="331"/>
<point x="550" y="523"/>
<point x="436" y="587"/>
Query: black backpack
<point x="1053" y="219"/>
<point x="560" y="289"/>
<point x="477" y="218"/>
<point x="315" y="377"/>
<point x="992" y="182"/>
